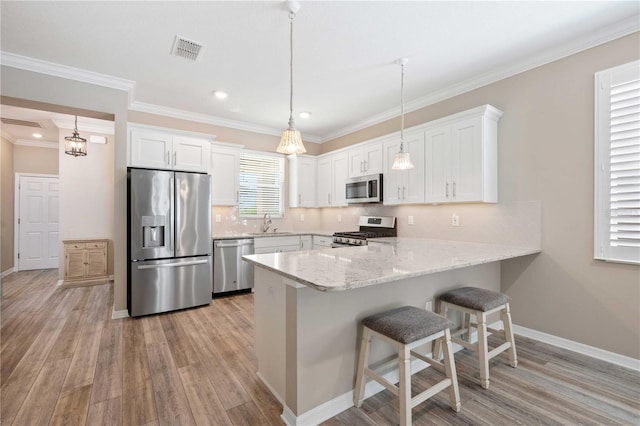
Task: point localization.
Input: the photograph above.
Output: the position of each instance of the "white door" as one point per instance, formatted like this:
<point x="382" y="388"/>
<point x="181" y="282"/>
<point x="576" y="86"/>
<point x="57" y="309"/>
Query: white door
<point x="38" y="223"/>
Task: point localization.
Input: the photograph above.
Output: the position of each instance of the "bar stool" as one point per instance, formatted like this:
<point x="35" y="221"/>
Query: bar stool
<point x="405" y="329"/>
<point x="480" y="302"/>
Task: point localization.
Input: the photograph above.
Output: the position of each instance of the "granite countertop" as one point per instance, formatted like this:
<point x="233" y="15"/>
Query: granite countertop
<point x="387" y="259"/>
<point x="234" y="235"/>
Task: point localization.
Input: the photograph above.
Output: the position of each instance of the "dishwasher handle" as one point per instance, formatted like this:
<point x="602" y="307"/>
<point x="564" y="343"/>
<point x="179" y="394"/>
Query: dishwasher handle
<point x="222" y="245"/>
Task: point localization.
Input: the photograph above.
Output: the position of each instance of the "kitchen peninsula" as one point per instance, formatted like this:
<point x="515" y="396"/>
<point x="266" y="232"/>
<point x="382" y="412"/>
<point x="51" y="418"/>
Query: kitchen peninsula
<point x="308" y="306"/>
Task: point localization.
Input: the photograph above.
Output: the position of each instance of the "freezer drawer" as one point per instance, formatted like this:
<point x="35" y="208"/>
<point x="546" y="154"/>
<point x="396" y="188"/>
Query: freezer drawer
<point x="230" y="272"/>
<point x="170" y="284"/>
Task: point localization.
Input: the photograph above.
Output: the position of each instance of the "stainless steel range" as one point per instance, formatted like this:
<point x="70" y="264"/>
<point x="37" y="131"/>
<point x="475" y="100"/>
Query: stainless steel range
<point x="370" y="227"/>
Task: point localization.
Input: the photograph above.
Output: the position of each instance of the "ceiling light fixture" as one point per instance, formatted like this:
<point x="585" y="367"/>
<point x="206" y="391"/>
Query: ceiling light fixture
<point x="37" y="135"/>
<point x="74" y="144"/>
<point x="305" y="115"/>
<point x="220" y="94"/>
<point x="291" y="141"/>
<point x="402" y="161"/>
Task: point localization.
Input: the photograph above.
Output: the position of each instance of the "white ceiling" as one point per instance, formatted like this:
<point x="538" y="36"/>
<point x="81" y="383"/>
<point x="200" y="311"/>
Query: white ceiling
<point x="343" y="52"/>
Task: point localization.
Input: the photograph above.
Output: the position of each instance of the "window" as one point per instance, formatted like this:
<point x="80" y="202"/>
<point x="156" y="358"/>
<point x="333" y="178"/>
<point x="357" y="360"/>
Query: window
<point x="617" y="164"/>
<point x="261" y="182"/>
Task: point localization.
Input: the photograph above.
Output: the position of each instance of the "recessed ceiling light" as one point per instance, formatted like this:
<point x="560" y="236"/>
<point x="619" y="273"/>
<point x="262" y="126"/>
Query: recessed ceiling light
<point x="305" y="114"/>
<point x="37" y="135"/>
<point x="220" y="94"/>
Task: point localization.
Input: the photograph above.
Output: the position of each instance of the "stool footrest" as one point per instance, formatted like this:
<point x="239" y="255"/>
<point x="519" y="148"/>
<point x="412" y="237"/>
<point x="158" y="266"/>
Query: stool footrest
<point x="465" y="344"/>
<point x="438" y="387"/>
<point x="437" y="364"/>
<point x="384" y="382"/>
<point x="497" y="351"/>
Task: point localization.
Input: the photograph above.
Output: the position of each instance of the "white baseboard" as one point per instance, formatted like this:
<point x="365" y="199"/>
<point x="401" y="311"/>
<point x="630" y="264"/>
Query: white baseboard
<point x="120" y="314"/>
<point x="581" y="348"/>
<point x="59" y="283"/>
<point x="8" y="272"/>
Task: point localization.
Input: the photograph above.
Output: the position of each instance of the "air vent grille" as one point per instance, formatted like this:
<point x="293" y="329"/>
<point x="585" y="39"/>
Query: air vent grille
<point x="188" y="49"/>
<point x="17" y="122"/>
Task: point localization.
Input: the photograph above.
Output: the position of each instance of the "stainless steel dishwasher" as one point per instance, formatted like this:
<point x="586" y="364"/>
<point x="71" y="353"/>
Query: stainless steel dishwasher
<point x="230" y="272"/>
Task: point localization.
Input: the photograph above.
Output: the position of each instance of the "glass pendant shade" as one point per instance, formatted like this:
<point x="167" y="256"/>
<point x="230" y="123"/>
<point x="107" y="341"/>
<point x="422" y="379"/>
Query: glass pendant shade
<point x="74" y="144"/>
<point x="291" y="141"/>
<point x="402" y="161"/>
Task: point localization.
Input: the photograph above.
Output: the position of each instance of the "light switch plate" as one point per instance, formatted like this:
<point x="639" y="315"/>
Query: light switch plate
<point x="302" y="217"/>
<point x="455" y="220"/>
<point x="218" y="218"/>
<point x="410" y="220"/>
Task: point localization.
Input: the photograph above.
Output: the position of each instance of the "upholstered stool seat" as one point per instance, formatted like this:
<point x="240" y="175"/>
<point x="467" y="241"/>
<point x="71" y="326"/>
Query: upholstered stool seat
<point x="406" y="328"/>
<point x="480" y="303"/>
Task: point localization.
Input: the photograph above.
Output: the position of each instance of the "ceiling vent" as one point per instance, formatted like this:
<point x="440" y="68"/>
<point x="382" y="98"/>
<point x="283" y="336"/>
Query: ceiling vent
<point x="188" y="49"/>
<point x="25" y="123"/>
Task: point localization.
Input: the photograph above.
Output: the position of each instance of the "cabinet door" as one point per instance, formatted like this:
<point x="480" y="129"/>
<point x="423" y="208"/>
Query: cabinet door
<point x="306" y="242"/>
<point x="340" y="169"/>
<point x="393" y="179"/>
<point x="438" y="165"/>
<point x="302" y="181"/>
<point x="324" y="181"/>
<point x="191" y="154"/>
<point x="356" y="162"/>
<point x="151" y="149"/>
<point x="224" y="176"/>
<point x="96" y="263"/>
<point x="413" y="187"/>
<point x="373" y="159"/>
<point x="74" y="267"/>
<point x="466" y="160"/>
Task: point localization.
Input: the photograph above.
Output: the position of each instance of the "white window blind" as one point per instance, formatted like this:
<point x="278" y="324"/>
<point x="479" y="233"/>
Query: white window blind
<point x="261" y="182"/>
<point x="617" y="165"/>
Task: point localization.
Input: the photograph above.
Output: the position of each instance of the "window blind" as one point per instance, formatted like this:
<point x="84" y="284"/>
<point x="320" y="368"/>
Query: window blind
<point x="261" y="182"/>
<point x="618" y="159"/>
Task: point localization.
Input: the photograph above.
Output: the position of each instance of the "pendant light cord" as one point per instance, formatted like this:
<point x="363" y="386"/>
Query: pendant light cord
<point x="402" y="108"/>
<point x="291" y="17"/>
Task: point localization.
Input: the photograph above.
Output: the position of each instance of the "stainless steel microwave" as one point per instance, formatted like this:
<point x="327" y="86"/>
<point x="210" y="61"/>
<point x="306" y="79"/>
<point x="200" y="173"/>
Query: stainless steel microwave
<point x="364" y="189"/>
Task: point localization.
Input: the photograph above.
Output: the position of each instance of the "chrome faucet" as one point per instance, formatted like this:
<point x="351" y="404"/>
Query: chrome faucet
<point x="266" y="223"/>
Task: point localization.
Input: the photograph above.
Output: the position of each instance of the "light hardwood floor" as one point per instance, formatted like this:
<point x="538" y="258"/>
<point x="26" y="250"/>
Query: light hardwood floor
<point x="64" y="361"/>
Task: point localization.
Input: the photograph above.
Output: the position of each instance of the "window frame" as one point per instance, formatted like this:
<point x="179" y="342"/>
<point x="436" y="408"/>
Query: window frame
<point x="603" y="247"/>
<point x="280" y="185"/>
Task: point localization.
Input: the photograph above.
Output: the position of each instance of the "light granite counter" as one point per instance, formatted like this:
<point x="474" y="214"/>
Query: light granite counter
<point x="306" y="330"/>
<point x="384" y="260"/>
<point x="232" y="235"/>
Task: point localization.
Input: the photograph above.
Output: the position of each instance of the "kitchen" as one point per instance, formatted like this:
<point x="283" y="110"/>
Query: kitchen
<point x="533" y="159"/>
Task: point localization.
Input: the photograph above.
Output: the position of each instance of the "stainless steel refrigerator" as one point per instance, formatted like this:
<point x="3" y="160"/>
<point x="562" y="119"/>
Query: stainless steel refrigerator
<point x="169" y="242"/>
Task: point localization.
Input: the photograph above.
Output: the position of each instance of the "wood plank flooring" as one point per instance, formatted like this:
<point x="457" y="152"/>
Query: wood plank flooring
<point x="65" y="362"/>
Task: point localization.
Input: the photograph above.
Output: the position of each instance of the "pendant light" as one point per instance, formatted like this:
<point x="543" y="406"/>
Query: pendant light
<point x="402" y="160"/>
<point x="291" y="141"/>
<point x="74" y="144"/>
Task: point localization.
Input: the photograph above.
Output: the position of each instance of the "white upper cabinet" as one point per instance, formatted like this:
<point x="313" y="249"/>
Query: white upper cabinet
<point x="331" y="175"/>
<point x="462" y="158"/>
<point x="224" y="172"/>
<point x="302" y="181"/>
<point x="365" y="160"/>
<point x="404" y="186"/>
<point x="159" y="149"/>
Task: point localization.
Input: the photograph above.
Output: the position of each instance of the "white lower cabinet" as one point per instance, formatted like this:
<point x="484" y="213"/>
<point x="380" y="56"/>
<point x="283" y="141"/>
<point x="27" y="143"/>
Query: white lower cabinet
<point x="306" y="242"/>
<point x="322" y="242"/>
<point x="404" y="186"/>
<point x="276" y="244"/>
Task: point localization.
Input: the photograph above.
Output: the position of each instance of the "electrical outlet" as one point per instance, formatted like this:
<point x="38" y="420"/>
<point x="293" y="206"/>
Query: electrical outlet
<point x="302" y="217"/>
<point x="429" y="305"/>
<point x="218" y="218"/>
<point x="455" y="220"/>
<point x="410" y="220"/>
<point x="339" y="218"/>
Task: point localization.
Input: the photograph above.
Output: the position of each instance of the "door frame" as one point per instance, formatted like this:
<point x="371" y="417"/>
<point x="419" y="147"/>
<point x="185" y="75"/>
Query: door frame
<point x="16" y="213"/>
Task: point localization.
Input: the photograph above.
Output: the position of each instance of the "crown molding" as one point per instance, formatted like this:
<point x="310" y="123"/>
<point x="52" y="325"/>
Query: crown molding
<point x="7" y="136"/>
<point x="213" y="120"/>
<point x="605" y="35"/>
<point x="50" y="68"/>
<point x="106" y="128"/>
<point x="37" y="144"/>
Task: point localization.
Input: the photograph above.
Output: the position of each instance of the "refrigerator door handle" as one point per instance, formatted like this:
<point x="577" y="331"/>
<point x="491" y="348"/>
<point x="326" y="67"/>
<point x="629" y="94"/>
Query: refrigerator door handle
<point x="178" y="220"/>
<point x="171" y="220"/>
<point x="173" y="264"/>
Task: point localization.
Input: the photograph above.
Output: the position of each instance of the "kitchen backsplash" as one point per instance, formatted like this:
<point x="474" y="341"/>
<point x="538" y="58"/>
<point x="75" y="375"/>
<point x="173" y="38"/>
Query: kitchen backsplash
<point x="508" y="223"/>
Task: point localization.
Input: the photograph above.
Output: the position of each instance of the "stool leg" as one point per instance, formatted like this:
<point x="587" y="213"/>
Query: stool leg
<point x="466" y="323"/>
<point x="508" y="334"/>
<point x="435" y="353"/>
<point x="363" y="362"/>
<point x="483" y="349"/>
<point x="450" y="369"/>
<point x="404" y="385"/>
